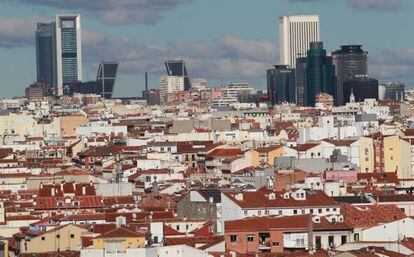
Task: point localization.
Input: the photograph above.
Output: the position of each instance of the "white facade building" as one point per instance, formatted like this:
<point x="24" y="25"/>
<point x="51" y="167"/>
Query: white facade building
<point x="295" y="34"/>
<point x="170" y="84"/>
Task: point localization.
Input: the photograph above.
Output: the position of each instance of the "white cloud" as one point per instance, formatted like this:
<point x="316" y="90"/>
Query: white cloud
<point x="392" y="65"/>
<point x="16" y="32"/>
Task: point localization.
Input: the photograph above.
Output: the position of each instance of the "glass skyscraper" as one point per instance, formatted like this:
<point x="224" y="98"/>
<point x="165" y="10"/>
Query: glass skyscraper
<point x="59" y="51"/>
<point x="177" y="68"/>
<point x="281" y="84"/>
<point x="103" y="85"/>
<point x="350" y="61"/>
<point x="320" y="73"/>
<point x="46" y="53"/>
<point x="68" y="50"/>
<point x="362" y="88"/>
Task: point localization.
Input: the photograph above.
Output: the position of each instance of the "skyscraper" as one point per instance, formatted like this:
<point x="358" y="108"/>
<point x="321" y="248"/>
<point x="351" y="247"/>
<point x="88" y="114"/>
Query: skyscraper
<point x="350" y="61"/>
<point x="103" y="85"/>
<point x="301" y="81"/>
<point x="361" y="87"/>
<point x="46" y="53"/>
<point x="177" y="68"/>
<point x="295" y="34"/>
<point x="320" y="73"/>
<point x="281" y="84"/>
<point x="68" y="50"/>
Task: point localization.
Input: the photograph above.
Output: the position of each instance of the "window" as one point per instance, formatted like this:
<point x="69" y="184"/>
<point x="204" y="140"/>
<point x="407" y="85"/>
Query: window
<point x="343" y="240"/>
<point x="250" y="238"/>
<point x="245" y="213"/>
<point x="356" y="237"/>
<point x="331" y="241"/>
<point x="177" y="227"/>
<point x="259" y="213"/>
<point x="43" y="238"/>
<point x="72" y="235"/>
<point x="233" y="238"/>
<point x="300" y="241"/>
<point x="318" y="242"/>
<point x="280" y="212"/>
<point x="295" y="211"/>
<point x="58" y="236"/>
<point x="311" y="211"/>
<point x="319" y="210"/>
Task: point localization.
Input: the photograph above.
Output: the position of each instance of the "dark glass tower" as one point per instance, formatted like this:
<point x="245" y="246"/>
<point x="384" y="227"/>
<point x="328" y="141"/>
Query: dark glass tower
<point x="106" y="77"/>
<point x="362" y="87"/>
<point x="46" y="53"/>
<point x="177" y="68"/>
<point x="281" y="84"/>
<point x="103" y="85"/>
<point x="301" y="81"/>
<point x="350" y="61"/>
<point x="320" y="72"/>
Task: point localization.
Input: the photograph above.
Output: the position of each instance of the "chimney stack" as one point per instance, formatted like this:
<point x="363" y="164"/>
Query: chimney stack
<point x="146" y="86"/>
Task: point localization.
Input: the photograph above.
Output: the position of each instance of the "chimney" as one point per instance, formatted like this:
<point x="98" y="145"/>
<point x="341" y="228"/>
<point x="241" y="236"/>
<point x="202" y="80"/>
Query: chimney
<point x="146" y="85"/>
<point x="120" y="221"/>
<point x="52" y="192"/>
<point x="83" y="189"/>
<point x="239" y="197"/>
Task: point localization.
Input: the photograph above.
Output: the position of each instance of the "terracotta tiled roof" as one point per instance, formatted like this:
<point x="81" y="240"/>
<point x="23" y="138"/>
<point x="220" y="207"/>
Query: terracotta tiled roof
<point x="121" y="232"/>
<point x="267" y="223"/>
<point x="224" y="153"/>
<point x="370" y="215"/>
<point x="260" y="199"/>
<point x="305" y="147"/>
<point x="340" y="142"/>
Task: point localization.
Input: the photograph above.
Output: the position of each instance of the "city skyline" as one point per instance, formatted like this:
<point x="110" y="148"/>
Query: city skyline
<point x="232" y="52"/>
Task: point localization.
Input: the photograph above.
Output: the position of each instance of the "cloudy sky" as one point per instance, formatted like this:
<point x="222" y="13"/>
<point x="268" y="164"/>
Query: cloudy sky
<point x="222" y="40"/>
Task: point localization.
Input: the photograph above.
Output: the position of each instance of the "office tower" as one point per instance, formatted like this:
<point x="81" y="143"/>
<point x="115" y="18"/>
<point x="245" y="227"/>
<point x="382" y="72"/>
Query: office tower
<point x="295" y="34"/>
<point x="301" y="81"/>
<point x="362" y="88"/>
<point x="320" y="73"/>
<point x="392" y="91"/>
<point x="281" y="84"/>
<point x="170" y="84"/>
<point x="106" y="78"/>
<point x="46" y="53"/>
<point x="68" y="50"/>
<point x="350" y="61"/>
<point x="178" y="68"/>
<point x="103" y="85"/>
